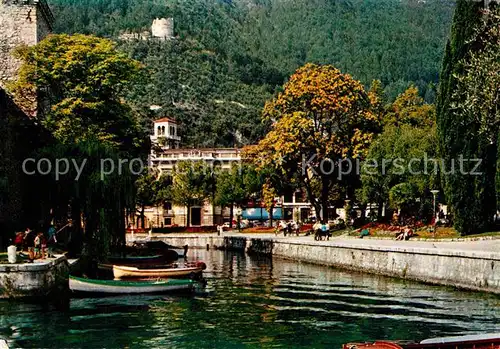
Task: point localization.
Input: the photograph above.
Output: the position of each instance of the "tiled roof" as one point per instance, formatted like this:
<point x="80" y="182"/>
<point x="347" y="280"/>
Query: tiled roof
<point x="166" y="120"/>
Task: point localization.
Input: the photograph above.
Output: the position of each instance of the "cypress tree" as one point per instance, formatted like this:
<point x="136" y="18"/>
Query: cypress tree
<point x="472" y="198"/>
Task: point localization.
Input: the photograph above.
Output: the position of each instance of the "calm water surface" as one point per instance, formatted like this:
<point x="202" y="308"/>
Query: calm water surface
<point x="257" y="303"/>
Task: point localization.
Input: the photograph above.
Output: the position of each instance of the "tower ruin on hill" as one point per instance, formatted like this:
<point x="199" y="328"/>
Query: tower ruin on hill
<point x="22" y="22"/>
<point x="162" y="29"/>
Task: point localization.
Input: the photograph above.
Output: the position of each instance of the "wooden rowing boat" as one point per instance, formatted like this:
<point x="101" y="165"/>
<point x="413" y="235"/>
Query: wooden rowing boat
<point x="113" y="287"/>
<point x="190" y="270"/>
<point x="485" y="341"/>
<point x="109" y="267"/>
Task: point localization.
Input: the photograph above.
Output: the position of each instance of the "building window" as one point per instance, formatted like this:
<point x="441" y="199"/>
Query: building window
<point x="163" y="130"/>
<point x="172" y="131"/>
<point x="159" y="131"/>
<point x="288" y="198"/>
<point x="168" y="221"/>
<point x="299" y="197"/>
<point x="167" y="206"/>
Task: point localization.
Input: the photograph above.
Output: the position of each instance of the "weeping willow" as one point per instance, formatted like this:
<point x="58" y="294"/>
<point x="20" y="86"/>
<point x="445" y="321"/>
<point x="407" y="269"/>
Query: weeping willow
<point x="95" y="202"/>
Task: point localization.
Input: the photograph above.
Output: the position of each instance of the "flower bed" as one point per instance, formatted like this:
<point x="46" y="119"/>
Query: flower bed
<point x="420" y="229"/>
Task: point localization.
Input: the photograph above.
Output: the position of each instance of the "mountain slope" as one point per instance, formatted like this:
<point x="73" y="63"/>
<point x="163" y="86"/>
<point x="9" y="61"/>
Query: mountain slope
<point x="230" y="56"/>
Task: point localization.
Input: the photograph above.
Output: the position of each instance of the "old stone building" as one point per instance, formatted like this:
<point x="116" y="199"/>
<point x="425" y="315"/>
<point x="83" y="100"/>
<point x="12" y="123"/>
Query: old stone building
<point x="22" y="196"/>
<point x="22" y="22"/>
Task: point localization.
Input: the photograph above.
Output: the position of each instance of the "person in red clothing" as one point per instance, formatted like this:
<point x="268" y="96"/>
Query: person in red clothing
<point x="19" y="240"/>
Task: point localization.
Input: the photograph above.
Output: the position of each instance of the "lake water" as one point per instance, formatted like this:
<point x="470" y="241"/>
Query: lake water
<point x="257" y="303"/>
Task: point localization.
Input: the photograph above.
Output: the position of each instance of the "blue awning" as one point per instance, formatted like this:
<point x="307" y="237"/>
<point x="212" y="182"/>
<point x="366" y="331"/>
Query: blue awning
<point x="261" y="213"/>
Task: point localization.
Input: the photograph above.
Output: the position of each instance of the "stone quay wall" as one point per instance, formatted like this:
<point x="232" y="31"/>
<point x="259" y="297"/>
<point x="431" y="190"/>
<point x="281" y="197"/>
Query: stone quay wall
<point x="473" y="270"/>
<point x="34" y="280"/>
<point x="467" y="270"/>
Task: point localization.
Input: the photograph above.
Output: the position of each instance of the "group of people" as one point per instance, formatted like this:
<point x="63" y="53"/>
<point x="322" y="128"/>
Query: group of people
<point x="321" y="229"/>
<point x="287" y="228"/>
<point x="38" y="244"/>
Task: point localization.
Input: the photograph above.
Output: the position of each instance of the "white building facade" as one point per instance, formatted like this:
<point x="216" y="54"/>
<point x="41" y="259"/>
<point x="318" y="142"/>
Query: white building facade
<point x="166" y="152"/>
<point x="165" y="135"/>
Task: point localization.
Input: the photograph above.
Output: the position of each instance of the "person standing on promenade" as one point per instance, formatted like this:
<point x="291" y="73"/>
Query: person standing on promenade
<point x="52" y="240"/>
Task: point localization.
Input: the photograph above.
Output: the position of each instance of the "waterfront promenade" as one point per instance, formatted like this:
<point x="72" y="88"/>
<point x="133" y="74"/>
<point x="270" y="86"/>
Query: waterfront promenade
<point x="468" y="246"/>
<point x="471" y="264"/>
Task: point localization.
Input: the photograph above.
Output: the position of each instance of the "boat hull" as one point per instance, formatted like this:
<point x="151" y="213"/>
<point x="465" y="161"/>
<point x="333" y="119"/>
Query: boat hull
<point x="112" y="287"/>
<point x="120" y="272"/>
<point x="487" y="341"/>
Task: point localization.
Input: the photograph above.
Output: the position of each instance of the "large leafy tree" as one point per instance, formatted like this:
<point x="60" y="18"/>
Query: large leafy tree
<point x="472" y="198"/>
<point x="402" y="168"/>
<point x="405" y="155"/>
<point x="322" y="119"/>
<point x="79" y="82"/>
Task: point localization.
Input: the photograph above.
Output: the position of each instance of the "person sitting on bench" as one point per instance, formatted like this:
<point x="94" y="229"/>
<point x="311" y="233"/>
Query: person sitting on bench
<point x="364" y="232"/>
<point x="405" y="234"/>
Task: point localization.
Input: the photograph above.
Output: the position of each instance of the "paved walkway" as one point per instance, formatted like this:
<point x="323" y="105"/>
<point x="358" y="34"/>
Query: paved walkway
<point x="490" y="246"/>
<point x="482" y="245"/>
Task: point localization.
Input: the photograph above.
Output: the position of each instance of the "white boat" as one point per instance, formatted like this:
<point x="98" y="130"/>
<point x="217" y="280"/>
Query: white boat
<point x="120" y="271"/>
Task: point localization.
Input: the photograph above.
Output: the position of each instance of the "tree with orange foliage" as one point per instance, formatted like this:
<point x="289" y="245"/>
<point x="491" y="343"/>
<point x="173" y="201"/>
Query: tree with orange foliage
<point x="322" y="122"/>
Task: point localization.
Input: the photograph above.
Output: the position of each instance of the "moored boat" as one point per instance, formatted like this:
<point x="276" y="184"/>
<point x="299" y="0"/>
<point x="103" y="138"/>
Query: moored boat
<point x="484" y="341"/>
<point x="136" y="260"/>
<point x="189" y="270"/>
<point x="113" y="287"/>
<point x="154" y="247"/>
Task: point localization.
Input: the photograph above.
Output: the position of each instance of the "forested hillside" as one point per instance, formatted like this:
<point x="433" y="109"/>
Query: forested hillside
<point x="231" y="56"/>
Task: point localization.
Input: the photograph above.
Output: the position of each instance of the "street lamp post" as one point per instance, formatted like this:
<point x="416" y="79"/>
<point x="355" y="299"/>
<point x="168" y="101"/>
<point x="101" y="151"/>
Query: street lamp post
<point x="434" y="193"/>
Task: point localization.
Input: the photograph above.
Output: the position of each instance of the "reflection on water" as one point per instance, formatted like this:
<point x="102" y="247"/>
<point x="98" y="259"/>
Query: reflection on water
<point x="254" y="302"/>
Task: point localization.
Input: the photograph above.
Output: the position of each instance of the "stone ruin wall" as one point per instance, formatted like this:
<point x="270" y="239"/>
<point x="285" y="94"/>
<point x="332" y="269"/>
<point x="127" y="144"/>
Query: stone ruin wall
<point x="21" y="22"/>
<point x="163" y="28"/>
